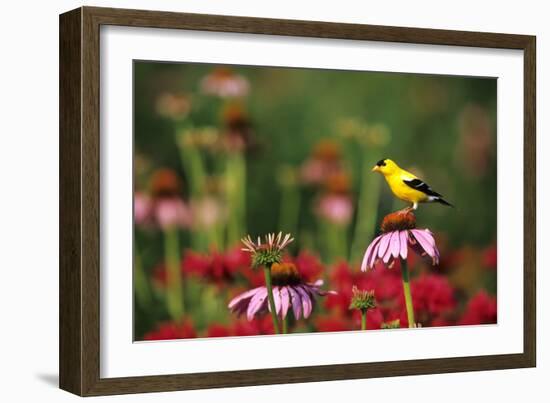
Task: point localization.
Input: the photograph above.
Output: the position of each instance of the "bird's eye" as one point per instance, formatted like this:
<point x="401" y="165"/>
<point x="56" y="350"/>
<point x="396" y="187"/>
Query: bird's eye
<point x="381" y="163"/>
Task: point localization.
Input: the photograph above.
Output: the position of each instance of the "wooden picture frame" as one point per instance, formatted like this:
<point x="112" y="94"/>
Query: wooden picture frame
<point x="80" y="199"/>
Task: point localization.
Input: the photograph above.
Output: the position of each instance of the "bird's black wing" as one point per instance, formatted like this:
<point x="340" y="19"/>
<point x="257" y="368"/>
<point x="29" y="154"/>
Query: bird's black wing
<point x="421" y="186"/>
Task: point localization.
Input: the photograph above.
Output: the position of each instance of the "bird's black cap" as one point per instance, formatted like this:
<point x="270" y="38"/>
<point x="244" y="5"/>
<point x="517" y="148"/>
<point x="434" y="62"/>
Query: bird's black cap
<point x="381" y="163"/>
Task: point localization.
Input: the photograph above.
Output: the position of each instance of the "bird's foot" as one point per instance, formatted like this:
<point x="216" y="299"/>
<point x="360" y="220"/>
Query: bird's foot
<point x="406" y="210"/>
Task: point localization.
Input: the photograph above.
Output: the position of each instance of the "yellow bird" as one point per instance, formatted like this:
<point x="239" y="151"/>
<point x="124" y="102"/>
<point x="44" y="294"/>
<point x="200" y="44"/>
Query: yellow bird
<point x="406" y="186"/>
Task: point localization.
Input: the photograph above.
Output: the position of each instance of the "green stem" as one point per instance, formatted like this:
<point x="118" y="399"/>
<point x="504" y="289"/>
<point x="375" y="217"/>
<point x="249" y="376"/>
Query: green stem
<point x="363" y="319"/>
<point x="174" y="287"/>
<point x="142" y="291"/>
<point x="335" y="240"/>
<point x="270" y="299"/>
<point x="285" y="325"/>
<point x="193" y="164"/>
<point x="290" y="208"/>
<point x="407" y="293"/>
<point x="235" y="183"/>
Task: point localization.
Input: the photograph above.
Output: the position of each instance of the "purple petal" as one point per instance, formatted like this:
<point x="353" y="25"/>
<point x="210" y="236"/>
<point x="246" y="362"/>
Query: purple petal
<point x="389" y="251"/>
<point x="369" y="250"/>
<point x="374" y="253"/>
<point x="241" y="307"/>
<point x="296" y="302"/>
<point x="285" y="303"/>
<point x="404" y="235"/>
<point x="395" y="244"/>
<point x="276" y="299"/>
<point x="244" y="295"/>
<point x="257" y="302"/>
<point x="424" y="243"/>
<point x="307" y="305"/>
<point x="384" y="242"/>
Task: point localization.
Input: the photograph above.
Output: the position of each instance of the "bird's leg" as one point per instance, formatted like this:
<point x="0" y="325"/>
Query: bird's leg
<point x="409" y="209"/>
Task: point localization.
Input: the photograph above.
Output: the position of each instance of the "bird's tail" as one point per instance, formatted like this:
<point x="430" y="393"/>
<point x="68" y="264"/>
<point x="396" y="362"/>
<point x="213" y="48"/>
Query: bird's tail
<point x="443" y="201"/>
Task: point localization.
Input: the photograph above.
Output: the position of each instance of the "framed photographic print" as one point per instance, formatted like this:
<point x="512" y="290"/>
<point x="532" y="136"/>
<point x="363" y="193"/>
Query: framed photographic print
<point x="249" y="201"/>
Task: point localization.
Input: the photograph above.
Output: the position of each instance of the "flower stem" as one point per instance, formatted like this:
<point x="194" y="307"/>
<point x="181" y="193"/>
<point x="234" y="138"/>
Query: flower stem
<point x="290" y="208"/>
<point x="141" y="289"/>
<point x="270" y="299"/>
<point x="174" y="291"/>
<point x="363" y="319"/>
<point x="284" y="325"/>
<point x="235" y="183"/>
<point x="407" y="293"/>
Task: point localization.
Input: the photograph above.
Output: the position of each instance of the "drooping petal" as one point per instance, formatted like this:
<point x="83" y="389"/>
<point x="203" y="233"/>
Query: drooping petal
<point x="384" y="243"/>
<point x="296" y="302"/>
<point x="277" y="300"/>
<point x="395" y="244"/>
<point x="256" y="304"/>
<point x="425" y="243"/>
<point x="374" y="253"/>
<point x="307" y="305"/>
<point x="240" y="297"/>
<point x="389" y="251"/>
<point x="285" y="303"/>
<point x="370" y="249"/>
<point x="404" y="235"/>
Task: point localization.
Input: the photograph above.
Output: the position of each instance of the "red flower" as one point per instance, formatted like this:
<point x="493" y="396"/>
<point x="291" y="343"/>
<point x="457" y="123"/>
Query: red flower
<point x="255" y="278"/>
<point x="386" y="284"/>
<point x="490" y="257"/>
<point x="215" y="266"/>
<point x="309" y="266"/>
<point x="332" y="324"/>
<point x="257" y="326"/>
<point x="374" y="319"/>
<point x="172" y="330"/>
<point x="481" y="309"/>
<point x="432" y="294"/>
<point x="195" y="263"/>
<point x="433" y="299"/>
<point x="217" y="330"/>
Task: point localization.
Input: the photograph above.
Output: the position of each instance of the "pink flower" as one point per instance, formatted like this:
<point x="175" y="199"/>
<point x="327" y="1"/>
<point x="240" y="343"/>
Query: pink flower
<point x="335" y="208"/>
<point x="207" y="212"/>
<point x="223" y="83"/>
<point x="142" y="208"/>
<point x="289" y="292"/>
<point x="399" y="233"/>
<point x="172" y="212"/>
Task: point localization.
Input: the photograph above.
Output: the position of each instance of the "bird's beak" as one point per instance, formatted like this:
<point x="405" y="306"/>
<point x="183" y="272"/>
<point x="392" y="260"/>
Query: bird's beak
<point x="376" y="168"/>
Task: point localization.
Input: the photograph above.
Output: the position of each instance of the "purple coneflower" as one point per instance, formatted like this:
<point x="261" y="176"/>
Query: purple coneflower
<point x="289" y="292"/>
<point x="399" y="232"/>
<point x="268" y="254"/>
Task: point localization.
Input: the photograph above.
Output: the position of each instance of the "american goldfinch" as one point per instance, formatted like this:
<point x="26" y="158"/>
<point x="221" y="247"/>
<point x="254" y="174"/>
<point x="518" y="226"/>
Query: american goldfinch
<point x="407" y="186"/>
